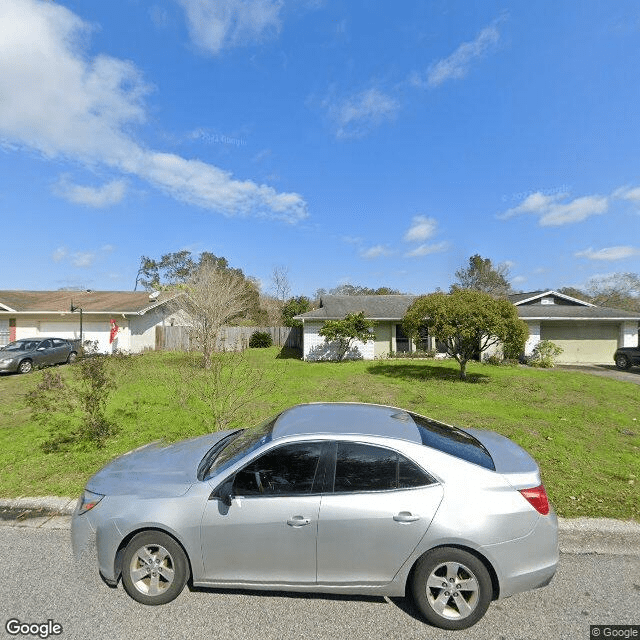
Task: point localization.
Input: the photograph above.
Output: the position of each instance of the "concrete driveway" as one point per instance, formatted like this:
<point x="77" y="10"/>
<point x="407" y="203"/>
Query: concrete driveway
<point x="606" y="371"/>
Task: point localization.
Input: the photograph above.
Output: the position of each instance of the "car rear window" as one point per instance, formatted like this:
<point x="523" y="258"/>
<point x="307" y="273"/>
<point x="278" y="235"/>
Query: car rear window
<point x="453" y="441"/>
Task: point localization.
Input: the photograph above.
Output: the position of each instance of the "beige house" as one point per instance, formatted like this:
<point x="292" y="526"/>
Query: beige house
<point x="586" y="333"/>
<point x="28" y="314"/>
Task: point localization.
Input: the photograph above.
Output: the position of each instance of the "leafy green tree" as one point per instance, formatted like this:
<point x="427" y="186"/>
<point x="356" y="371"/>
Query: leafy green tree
<point x="354" y="326"/>
<point x="481" y="275"/>
<point x="468" y="322"/>
<point x="293" y="307"/>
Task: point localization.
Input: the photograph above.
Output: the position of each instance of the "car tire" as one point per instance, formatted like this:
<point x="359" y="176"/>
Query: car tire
<point x="73" y="356"/>
<point x="154" y="568"/>
<point x="623" y="362"/>
<point x="26" y="366"/>
<point x="452" y="588"/>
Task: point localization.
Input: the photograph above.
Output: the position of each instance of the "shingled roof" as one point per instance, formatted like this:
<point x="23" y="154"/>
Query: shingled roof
<point x="375" y="307"/>
<point x="135" y="302"/>
<point x="394" y="308"/>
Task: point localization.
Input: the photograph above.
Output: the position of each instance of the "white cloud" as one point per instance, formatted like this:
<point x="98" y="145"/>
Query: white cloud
<point x="359" y="114"/>
<point x="427" y="249"/>
<point x="553" y="212"/>
<point x="457" y="64"/>
<point x="608" y="253"/>
<point x="218" y="24"/>
<point x="421" y="229"/>
<point x="518" y="280"/>
<point x="83" y="259"/>
<point x="108" y="194"/>
<point x="59" y="254"/>
<point x="378" y="251"/>
<point x="61" y="103"/>
<point x="628" y="193"/>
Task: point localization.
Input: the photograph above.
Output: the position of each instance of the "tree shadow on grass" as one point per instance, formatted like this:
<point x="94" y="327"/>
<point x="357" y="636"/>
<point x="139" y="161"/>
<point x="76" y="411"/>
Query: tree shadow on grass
<point x="423" y="371"/>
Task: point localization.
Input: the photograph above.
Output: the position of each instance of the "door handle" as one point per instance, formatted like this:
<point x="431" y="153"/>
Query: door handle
<point x="298" y="521"/>
<point x="405" y="516"/>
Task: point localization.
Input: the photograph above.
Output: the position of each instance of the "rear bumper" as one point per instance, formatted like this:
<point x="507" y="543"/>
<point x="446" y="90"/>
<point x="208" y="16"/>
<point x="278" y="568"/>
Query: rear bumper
<point x="529" y="562"/>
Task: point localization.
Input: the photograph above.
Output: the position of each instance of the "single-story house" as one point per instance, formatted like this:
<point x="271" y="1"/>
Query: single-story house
<point x="28" y="314"/>
<point x="586" y="333"/>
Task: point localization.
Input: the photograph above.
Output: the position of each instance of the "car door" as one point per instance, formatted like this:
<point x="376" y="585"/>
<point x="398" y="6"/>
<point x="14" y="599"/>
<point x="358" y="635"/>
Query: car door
<point x="44" y="353"/>
<point x="60" y="350"/>
<point x="268" y="533"/>
<point x="381" y="506"/>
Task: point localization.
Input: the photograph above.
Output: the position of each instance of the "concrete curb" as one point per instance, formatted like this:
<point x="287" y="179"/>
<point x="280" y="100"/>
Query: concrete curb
<point x="576" y="535"/>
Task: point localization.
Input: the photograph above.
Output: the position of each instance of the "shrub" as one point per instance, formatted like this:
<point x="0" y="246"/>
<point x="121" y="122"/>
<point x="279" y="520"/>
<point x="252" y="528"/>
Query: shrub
<point x="260" y="340"/>
<point x="544" y="354"/>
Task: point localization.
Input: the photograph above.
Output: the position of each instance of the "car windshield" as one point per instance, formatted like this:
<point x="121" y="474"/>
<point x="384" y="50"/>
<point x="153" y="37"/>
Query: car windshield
<point x="20" y="345"/>
<point x="243" y="443"/>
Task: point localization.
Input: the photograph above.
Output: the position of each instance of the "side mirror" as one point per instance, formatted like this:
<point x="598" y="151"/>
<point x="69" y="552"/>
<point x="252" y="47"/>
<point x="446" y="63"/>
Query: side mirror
<point x="223" y="492"/>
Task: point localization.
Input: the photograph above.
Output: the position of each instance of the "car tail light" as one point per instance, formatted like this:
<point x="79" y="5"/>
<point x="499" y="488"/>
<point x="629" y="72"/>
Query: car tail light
<point x="537" y="498"/>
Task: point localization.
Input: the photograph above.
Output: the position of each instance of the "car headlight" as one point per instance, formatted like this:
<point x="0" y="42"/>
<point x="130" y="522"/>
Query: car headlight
<point x="88" y="500"/>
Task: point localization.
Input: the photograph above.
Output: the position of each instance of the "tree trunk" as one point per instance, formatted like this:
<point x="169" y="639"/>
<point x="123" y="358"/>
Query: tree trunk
<point x="463" y="369"/>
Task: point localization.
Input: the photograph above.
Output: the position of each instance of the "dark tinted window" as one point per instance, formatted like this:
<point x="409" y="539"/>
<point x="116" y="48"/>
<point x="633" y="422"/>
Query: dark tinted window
<point x="453" y="441"/>
<point x="361" y="467"/>
<point x="290" y="469"/>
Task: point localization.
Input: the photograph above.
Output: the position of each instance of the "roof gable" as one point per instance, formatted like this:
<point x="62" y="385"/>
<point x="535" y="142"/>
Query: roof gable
<point x="548" y="297"/>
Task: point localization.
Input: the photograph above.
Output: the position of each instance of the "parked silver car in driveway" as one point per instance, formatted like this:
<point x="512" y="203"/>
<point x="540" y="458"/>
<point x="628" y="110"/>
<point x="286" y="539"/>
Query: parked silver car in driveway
<point x="334" y="498"/>
<point x="24" y="355"/>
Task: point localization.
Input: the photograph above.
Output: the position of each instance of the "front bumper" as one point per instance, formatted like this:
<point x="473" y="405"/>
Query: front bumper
<point x="10" y="366"/>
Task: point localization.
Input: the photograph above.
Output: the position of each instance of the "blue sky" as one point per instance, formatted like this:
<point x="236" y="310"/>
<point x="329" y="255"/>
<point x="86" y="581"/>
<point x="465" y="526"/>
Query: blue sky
<point x="372" y="143"/>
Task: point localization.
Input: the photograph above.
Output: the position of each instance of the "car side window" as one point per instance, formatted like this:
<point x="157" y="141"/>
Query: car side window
<point x="46" y="344"/>
<point x="362" y="467"/>
<point x="58" y="342"/>
<point x="287" y="470"/>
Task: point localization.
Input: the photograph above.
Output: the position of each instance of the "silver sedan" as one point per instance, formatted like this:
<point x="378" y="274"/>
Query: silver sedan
<point x="332" y="498"/>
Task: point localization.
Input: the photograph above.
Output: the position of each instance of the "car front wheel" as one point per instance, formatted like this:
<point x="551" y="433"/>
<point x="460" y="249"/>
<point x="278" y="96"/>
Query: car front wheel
<point x="452" y="588"/>
<point x="622" y="362"/>
<point x="73" y="356"/>
<point x="154" y="569"/>
<point x="25" y="366"/>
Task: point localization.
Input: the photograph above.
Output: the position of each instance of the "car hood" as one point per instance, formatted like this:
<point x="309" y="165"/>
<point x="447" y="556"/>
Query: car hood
<point x="155" y="469"/>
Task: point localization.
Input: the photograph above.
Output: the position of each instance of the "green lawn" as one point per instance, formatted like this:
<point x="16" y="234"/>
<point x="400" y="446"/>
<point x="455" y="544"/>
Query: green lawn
<point x="583" y="430"/>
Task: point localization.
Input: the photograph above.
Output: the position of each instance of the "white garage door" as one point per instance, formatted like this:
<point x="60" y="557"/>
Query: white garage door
<point x="582" y="342"/>
<point x="98" y="331"/>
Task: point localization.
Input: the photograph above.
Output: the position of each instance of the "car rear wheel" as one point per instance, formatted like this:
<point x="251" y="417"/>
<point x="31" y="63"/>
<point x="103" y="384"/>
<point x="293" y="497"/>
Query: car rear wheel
<point x="154" y="568"/>
<point x="452" y="588"/>
<point x="623" y="362"/>
<point x="25" y="366"/>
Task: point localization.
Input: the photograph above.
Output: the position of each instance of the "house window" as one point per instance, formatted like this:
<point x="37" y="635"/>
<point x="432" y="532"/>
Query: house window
<point x="402" y="341"/>
<point x="547" y="300"/>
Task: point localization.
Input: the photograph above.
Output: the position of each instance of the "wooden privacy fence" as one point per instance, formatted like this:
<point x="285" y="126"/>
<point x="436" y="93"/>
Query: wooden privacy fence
<point x="230" y="338"/>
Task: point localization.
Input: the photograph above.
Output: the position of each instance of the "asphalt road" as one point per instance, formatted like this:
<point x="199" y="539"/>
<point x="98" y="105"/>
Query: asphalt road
<point x="39" y="581"/>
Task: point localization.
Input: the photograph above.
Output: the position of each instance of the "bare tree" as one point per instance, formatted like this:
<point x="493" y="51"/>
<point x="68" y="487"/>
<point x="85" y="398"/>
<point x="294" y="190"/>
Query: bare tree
<point x="280" y="283"/>
<point x="618" y="290"/>
<point x="214" y="297"/>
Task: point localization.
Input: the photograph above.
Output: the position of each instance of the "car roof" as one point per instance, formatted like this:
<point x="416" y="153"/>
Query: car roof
<point x="346" y="418"/>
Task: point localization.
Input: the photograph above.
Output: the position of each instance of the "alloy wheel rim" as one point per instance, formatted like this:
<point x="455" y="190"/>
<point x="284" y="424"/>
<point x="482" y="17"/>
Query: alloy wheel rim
<point x="152" y="570"/>
<point x="452" y="590"/>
